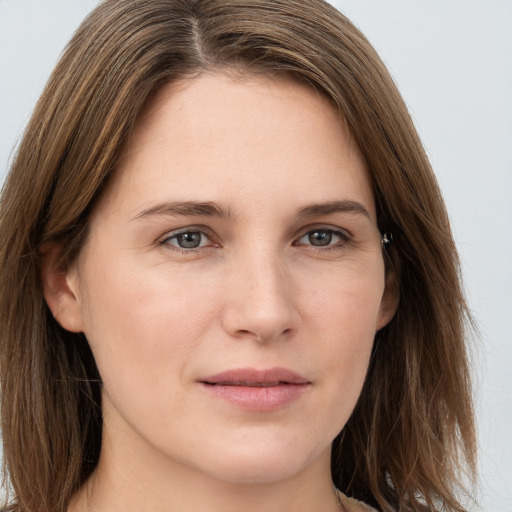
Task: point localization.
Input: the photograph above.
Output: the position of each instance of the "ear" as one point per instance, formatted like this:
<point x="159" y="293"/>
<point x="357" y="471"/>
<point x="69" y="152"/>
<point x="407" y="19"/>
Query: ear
<point x="389" y="302"/>
<point x="60" y="288"/>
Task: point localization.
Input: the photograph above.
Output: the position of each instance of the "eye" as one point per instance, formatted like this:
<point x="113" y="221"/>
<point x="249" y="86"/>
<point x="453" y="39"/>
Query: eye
<point x="189" y="239"/>
<point x="323" y="237"/>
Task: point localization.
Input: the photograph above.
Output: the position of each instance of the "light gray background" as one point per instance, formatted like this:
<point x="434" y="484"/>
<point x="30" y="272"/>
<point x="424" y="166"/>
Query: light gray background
<point x="452" y="60"/>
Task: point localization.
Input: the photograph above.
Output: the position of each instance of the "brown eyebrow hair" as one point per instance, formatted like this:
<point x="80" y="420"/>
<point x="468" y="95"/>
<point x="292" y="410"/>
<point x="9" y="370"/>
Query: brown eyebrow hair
<point x="212" y="209"/>
<point x="330" y="207"/>
<point x="188" y="208"/>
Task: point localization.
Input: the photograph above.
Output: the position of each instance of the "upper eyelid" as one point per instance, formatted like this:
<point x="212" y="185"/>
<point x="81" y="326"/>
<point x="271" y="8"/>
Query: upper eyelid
<point x="321" y="226"/>
<point x="212" y="235"/>
<point x="345" y="240"/>
<point x="165" y="240"/>
<point x="205" y="230"/>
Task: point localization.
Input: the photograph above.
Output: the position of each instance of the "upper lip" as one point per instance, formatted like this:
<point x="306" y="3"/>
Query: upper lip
<point x="255" y="377"/>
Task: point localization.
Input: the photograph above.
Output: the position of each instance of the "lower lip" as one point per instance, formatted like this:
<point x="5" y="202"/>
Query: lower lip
<point x="255" y="398"/>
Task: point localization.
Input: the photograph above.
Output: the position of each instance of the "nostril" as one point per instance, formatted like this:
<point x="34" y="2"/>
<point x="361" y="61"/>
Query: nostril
<point x="259" y="337"/>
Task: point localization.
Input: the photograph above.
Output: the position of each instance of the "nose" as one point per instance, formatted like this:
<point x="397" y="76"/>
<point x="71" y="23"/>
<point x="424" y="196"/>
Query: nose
<point x="260" y="299"/>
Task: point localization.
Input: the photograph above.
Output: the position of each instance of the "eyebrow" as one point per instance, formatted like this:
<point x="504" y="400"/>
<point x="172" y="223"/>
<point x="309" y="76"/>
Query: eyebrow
<point x="186" y="208"/>
<point x="330" y="207"/>
<point x="211" y="209"/>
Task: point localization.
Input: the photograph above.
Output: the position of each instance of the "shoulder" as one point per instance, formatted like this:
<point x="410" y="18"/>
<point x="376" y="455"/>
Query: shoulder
<point x="353" y="505"/>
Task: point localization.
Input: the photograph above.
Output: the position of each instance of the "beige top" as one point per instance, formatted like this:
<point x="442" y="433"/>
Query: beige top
<point x="352" y="505"/>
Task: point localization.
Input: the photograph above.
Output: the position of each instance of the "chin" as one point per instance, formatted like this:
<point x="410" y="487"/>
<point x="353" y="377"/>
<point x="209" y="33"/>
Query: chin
<point x="257" y="473"/>
<point x="264" y="465"/>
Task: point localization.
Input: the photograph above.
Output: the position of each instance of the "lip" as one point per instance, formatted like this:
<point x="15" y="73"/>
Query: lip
<point x="256" y="390"/>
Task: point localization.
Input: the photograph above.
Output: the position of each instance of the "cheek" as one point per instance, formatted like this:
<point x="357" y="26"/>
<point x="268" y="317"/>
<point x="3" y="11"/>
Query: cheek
<point x="145" y="325"/>
<point x="342" y="320"/>
<point x="346" y="303"/>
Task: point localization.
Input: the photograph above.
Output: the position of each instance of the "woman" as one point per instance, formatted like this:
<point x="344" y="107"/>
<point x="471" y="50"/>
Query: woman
<point x="232" y="282"/>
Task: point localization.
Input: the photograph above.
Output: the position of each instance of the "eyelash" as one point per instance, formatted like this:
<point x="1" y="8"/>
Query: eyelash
<point x="344" y="239"/>
<point x="174" y="235"/>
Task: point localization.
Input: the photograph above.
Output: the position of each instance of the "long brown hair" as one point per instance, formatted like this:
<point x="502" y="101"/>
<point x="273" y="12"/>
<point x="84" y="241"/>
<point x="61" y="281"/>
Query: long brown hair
<point x="412" y="431"/>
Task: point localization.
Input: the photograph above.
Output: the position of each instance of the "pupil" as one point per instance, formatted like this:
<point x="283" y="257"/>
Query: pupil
<point x="320" y="238"/>
<point x="189" y="240"/>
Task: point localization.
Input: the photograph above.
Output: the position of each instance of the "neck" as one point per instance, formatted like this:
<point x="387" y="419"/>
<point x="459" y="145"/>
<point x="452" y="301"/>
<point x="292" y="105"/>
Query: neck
<point x="126" y="484"/>
<point x="133" y="475"/>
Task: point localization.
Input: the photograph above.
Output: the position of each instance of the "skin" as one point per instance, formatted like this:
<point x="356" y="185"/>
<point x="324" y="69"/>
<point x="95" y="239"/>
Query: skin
<point x="256" y="293"/>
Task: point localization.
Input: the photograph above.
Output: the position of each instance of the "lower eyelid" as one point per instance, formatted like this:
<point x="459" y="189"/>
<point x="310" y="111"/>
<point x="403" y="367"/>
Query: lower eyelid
<point x="208" y="240"/>
<point x="344" y="238"/>
<point x="166" y="239"/>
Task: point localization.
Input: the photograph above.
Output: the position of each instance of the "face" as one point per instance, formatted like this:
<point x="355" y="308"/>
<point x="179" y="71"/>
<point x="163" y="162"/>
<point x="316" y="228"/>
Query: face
<point x="233" y="280"/>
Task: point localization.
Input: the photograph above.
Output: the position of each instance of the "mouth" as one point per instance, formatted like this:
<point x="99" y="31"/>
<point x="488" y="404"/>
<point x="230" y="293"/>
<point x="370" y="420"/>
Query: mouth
<point x="256" y="378"/>
<point x="257" y="390"/>
<point x="248" y="383"/>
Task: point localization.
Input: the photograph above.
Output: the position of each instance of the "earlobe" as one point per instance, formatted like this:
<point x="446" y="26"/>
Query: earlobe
<point x="60" y="288"/>
<point x="389" y="302"/>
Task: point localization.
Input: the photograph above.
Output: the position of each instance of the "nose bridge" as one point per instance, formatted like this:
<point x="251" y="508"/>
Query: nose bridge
<point x="260" y="300"/>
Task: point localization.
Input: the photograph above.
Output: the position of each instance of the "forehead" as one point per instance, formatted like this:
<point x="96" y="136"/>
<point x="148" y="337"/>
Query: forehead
<point x="253" y="104"/>
<point x="216" y="136"/>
